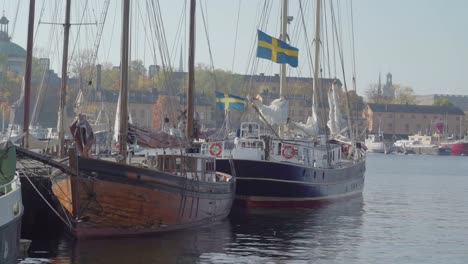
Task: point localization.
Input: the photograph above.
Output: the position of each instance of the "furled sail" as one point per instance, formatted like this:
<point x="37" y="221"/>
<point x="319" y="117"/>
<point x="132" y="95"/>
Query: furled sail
<point x="276" y="112"/>
<point x="156" y="139"/>
<point x="336" y="123"/>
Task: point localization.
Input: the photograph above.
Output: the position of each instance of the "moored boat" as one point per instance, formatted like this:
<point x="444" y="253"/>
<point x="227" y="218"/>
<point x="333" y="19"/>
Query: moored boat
<point x="458" y="148"/>
<point x="11" y="207"/>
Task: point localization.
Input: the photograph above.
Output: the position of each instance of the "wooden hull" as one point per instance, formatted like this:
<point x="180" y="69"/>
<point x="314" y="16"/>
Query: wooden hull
<point x="108" y="199"/>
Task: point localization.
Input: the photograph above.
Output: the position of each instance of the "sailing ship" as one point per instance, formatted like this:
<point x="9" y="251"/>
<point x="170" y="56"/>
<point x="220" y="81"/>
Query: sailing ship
<point x="11" y="207"/>
<point x="275" y="171"/>
<point x="105" y="198"/>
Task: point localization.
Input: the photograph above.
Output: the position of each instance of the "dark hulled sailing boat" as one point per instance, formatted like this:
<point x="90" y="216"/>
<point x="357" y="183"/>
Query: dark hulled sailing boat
<point x="106" y="198"/>
<point x="273" y="171"/>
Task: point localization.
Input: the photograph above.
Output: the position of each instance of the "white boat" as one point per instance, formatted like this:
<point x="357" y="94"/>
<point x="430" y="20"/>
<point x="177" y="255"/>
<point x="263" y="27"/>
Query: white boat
<point x="421" y="144"/>
<point x="375" y="143"/>
<point x="11" y="207"/>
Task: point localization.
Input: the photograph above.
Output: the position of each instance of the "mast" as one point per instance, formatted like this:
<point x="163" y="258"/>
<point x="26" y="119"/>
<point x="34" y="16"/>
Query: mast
<point x="191" y="74"/>
<point x="63" y="91"/>
<point x="283" y="37"/>
<point x="317" y="56"/>
<point x="122" y="137"/>
<point x="27" y="74"/>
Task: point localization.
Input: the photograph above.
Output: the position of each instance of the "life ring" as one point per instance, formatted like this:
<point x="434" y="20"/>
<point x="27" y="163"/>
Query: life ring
<point x="345" y="148"/>
<point x="216" y="149"/>
<point x="288" y="152"/>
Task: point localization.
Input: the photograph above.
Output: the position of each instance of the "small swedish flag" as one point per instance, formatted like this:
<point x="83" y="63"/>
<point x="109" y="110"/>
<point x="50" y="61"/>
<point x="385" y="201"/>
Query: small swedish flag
<point x="276" y="50"/>
<point x="228" y="101"/>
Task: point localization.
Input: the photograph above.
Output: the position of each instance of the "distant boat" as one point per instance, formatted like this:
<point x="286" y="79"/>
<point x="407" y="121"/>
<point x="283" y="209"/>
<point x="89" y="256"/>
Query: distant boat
<point x="375" y="144"/>
<point x="458" y="147"/>
<point x="11" y="207"/>
<point x="421" y="144"/>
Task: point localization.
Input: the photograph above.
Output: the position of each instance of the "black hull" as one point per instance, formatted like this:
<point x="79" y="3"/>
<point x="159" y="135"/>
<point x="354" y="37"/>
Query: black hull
<point x="280" y="184"/>
<point x="10" y="241"/>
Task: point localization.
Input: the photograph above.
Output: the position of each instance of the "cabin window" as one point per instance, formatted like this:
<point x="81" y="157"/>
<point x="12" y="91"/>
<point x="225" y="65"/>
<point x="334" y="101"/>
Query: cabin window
<point x="333" y="155"/>
<point x="279" y="149"/>
<point x="323" y="175"/>
<point x="209" y="166"/>
<point x="178" y="163"/>
<point x="315" y="174"/>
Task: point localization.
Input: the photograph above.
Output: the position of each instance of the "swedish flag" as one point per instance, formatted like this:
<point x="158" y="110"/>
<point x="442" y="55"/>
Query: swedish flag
<point x="228" y="101"/>
<point x="276" y="50"/>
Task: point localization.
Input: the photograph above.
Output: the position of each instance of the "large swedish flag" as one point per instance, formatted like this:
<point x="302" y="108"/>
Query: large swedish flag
<point x="228" y="101"/>
<point x="276" y="50"/>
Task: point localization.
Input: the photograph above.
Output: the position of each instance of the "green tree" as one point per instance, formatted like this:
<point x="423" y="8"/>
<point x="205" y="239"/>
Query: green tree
<point x="442" y="102"/>
<point x="404" y="95"/>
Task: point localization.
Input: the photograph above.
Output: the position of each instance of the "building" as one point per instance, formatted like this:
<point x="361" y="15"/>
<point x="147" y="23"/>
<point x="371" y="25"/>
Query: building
<point x="404" y="120"/>
<point x="14" y="54"/>
<point x="460" y="101"/>
<point x="388" y="90"/>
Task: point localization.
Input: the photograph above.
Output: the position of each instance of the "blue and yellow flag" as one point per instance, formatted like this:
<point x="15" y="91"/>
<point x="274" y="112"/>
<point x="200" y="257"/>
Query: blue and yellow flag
<point x="276" y="50"/>
<point x="228" y="101"/>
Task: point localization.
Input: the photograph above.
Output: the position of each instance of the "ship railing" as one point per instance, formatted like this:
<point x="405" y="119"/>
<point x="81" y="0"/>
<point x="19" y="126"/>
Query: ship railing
<point x="10" y="186"/>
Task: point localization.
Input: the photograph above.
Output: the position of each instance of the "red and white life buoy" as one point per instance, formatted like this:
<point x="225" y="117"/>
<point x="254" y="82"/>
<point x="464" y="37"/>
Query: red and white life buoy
<point x="216" y="149"/>
<point x="288" y="152"/>
<point x="345" y="148"/>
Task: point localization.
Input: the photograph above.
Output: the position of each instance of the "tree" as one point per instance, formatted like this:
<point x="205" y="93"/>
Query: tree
<point x="404" y="95"/>
<point x="442" y="102"/>
<point x="374" y="96"/>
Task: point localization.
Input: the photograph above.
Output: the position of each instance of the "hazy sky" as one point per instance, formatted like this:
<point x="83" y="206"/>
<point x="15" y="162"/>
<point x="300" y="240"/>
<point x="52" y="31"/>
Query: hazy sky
<point x="423" y="43"/>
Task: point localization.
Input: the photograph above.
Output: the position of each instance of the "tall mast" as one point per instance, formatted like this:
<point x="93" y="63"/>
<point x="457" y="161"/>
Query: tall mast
<point x="27" y="74"/>
<point x="283" y="37"/>
<point x="124" y="81"/>
<point x="191" y="74"/>
<point x="63" y="91"/>
<point x="317" y="56"/>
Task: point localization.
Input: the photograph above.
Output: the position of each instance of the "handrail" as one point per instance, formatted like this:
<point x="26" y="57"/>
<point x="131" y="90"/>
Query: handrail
<point x="4" y="190"/>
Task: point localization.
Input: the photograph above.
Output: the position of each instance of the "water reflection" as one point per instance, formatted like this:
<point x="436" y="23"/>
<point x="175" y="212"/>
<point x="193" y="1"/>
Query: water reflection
<point x="249" y="236"/>
<point x="280" y="236"/>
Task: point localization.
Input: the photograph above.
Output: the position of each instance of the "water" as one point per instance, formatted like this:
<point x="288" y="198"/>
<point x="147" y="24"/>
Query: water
<point x="414" y="210"/>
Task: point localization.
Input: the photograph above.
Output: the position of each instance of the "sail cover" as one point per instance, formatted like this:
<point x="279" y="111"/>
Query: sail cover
<point x="156" y="139"/>
<point x="276" y="112"/>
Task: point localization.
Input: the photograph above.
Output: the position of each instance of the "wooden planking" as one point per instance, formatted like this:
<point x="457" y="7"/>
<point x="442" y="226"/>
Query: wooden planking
<point x="109" y="204"/>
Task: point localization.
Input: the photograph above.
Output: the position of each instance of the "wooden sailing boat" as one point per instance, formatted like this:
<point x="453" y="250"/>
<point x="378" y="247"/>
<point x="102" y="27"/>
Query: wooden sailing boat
<point x="104" y="198"/>
<point x="280" y="171"/>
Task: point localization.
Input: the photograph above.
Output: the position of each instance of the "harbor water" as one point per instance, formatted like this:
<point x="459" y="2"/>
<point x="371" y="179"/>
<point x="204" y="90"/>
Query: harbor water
<point x="414" y="209"/>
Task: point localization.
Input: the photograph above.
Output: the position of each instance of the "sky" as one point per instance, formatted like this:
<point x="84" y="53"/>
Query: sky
<point x="423" y="43"/>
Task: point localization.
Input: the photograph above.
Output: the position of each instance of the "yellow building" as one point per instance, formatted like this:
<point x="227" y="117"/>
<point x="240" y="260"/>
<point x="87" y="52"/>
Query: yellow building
<point x="404" y="120"/>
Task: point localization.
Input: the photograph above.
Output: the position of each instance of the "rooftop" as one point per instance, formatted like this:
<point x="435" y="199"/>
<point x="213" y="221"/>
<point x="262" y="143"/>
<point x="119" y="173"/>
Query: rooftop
<point x="427" y="109"/>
